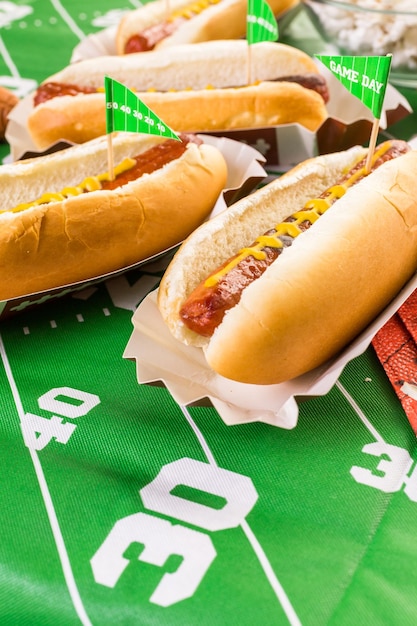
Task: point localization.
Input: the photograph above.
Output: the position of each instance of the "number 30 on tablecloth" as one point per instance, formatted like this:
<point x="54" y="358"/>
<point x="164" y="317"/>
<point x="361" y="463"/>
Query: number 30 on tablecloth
<point x="160" y="538"/>
<point x="163" y="539"/>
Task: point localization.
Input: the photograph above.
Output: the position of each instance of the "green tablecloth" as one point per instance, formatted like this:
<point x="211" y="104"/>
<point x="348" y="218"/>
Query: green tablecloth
<point x="117" y="507"/>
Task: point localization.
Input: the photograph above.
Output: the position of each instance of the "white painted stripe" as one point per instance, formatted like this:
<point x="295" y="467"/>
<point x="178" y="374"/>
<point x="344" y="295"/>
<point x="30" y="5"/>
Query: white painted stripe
<point x="257" y="548"/>
<point x="53" y="323"/>
<point x="59" y="541"/>
<point x="80" y="318"/>
<point x="8" y="60"/>
<point x="199" y="435"/>
<point x="360" y="413"/>
<point x="53" y="520"/>
<point x="68" y="19"/>
<point x="271" y="576"/>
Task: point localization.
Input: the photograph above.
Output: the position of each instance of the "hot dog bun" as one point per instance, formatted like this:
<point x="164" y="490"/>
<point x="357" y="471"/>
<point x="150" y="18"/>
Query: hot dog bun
<point x="221" y="19"/>
<point x="87" y="235"/>
<point x="221" y="64"/>
<point x="323" y="290"/>
<point x="82" y="118"/>
<point x="216" y="63"/>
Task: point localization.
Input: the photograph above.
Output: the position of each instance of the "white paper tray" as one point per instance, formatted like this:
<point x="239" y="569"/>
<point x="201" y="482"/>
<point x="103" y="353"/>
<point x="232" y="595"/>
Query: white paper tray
<point x="183" y="371"/>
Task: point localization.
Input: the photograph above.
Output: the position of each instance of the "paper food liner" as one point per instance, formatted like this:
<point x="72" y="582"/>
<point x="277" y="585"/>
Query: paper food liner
<point x="349" y="123"/>
<point x="161" y="359"/>
<point x="245" y="172"/>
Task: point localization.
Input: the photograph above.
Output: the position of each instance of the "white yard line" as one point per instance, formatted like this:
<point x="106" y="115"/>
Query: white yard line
<point x="199" y="435"/>
<point x="68" y="19"/>
<point x="360" y="413"/>
<point x="257" y="548"/>
<point x="272" y="579"/>
<point x="8" y="60"/>
<point x="53" y="520"/>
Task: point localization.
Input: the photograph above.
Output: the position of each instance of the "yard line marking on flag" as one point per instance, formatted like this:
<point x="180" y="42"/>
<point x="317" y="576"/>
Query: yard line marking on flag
<point x="261" y="22"/>
<point x="73" y="26"/>
<point x="254" y="543"/>
<point x="127" y="113"/>
<point x="50" y="510"/>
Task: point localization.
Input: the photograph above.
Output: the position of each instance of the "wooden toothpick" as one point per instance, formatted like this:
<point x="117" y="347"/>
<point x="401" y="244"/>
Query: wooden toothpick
<point x="110" y="156"/>
<point x="372" y="144"/>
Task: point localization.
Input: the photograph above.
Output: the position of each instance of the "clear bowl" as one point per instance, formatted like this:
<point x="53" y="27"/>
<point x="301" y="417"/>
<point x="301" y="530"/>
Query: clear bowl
<point x="370" y="27"/>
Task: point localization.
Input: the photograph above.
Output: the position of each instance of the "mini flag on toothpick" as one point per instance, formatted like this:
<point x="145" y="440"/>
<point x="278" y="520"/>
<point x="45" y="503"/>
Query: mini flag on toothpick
<point x="366" y="77"/>
<point x="126" y="112"/>
<point x="261" y="22"/>
<point x="261" y="25"/>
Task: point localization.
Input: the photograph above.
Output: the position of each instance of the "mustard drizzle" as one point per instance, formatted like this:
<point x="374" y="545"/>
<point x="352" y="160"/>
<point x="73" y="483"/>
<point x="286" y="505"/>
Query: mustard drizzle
<point x="91" y="183"/>
<point x="312" y="210"/>
<point x="194" y="8"/>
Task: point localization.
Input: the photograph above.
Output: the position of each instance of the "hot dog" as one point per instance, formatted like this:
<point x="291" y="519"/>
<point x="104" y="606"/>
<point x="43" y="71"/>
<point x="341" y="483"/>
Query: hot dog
<point x="284" y="279"/>
<point x="203" y="91"/>
<point x="65" y="219"/>
<point x="159" y="25"/>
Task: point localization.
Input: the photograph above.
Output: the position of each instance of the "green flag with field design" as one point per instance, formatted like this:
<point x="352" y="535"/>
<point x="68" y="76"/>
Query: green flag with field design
<point x="126" y="112"/>
<point x="261" y="22"/>
<point x="366" y="77"/>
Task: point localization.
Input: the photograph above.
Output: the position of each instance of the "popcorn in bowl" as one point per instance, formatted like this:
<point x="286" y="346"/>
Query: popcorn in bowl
<point x="371" y="27"/>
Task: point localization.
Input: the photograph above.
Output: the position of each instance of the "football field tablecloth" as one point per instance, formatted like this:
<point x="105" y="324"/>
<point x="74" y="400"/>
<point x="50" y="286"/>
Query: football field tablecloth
<point x="313" y="525"/>
<point x="119" y="507"/>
